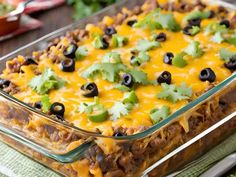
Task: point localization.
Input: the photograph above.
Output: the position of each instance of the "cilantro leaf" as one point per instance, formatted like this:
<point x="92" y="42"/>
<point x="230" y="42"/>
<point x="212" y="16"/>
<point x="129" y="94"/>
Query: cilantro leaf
<point x="109" y="71"/>
<point x="231" y="40"/>
<point x="123" y="108"/>
<point x="118" y="40"/>
<point x="174" y="93"/>
<point x="81" y="52"/>
<point x="221" y="33"/>
<point x="141" y="58"/>
<point x="184" y="90"/>
<point x="146" y="45"/>
<point x="139" y="76"/>
<point x="45" y="82"/>
<point x="112" y="57"/>
<point x="150" y="21"/>
<point x="218" y="38"/>
<point x="179" y="60"/>
<point x="46" y="104"/>
<point x="122" y="88"/>
<point x="168" y="21"/>
<point x="197" y="14"/>
<point x="194" y="49"/>
<point x="214" y="28"/>
<point x="226" y="54"/>
<point x="157" y="115"/>
<point x="117" y="110"/>
<point x="157" y="20"/>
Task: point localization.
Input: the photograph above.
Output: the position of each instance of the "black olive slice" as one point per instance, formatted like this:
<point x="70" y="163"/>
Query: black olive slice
<point x="207" y="74"/>
<point x="29" y="61"/>
<point x="110" y="31"/>
<point x="165" y="77"/>
<point x="127" y="80"/>
<point x="133" y="61"/>
<point x="231" y="64"/>
<point x="89" y="90"/>
<point x="57" y="109"/>
<point x="187" y="30"/>
<point x="226" y="23"/>
<point x="68" y="65"/>
<point x="105" y="44"/>
<point x="195" y="22"/>
<point x="118" y="134"/>
<point x="212" y="14"/>
<point x="70" y="51"/>
<point x="4" y="83"/>
<point x="161" y="37"/>
<point x="38" y="105"/>
<point x="167" y="59"/>
<point x="131" y="22"/>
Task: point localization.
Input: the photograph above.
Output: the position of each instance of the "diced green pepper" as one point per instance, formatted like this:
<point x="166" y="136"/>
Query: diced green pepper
<point x="130" y="98"/>
<point x="97" y="113"/>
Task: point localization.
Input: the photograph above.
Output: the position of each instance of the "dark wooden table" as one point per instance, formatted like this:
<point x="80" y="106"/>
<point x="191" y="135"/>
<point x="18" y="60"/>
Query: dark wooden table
<point x="52" y="19"/>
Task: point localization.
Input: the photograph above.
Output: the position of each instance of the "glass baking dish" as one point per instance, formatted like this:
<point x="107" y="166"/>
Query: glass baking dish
<point x="68" y="149"/>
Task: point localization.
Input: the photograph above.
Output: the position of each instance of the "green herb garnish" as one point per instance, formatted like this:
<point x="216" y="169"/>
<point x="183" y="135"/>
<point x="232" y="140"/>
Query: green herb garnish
<point x="118" y="40"/>
<point x="139" y="76"/>
<point x="123" y="108"/>
<point x="226" y="54"/>
<point x="231" y="39"/>
<point x="174" y="93"/>
<point x="81" y="53"/>
<point x="46" y="104"/>
<point x="159" y="114"/>
<point x="197" y="15"/>
<point x="214" y="28"/>
<point x="109" y="71"/>
<point x="146" y="45"/>
<point x="194" y="49"/>
<point x="157" y="20"/>
<point x="117" y="110"/>
<point x="45" y="82"/>
<point x="218" y="38"/>
<point x="112" y="57"/>
<point x="122" y="88"/>
<point x="141" y="58"/>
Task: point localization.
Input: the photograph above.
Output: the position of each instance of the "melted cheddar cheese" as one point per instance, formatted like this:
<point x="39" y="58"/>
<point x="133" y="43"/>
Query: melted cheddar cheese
<point x="70" y="94"/>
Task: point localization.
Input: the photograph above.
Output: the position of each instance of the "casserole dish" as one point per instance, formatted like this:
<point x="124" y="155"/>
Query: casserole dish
<point x="73" y="151"/>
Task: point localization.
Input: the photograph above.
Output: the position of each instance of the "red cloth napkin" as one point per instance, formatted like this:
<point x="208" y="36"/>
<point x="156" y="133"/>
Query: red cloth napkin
<point x="28" y="23"/>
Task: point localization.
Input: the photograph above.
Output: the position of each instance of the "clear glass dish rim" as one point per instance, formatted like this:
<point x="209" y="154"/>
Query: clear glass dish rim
<point x="140" y="135"/>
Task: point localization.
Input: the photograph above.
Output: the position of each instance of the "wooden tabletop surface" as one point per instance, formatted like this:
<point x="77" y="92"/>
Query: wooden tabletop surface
<point x="52" y="19"/>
